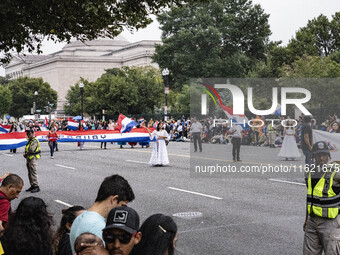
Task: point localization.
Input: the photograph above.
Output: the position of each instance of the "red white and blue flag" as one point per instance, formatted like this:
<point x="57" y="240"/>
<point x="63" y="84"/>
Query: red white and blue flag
<point x="4" y="128"/>
<point x="15" y="140"/>
<point x="125" y="124"/>
<point x="46" y="122"/>
<point x="72" y="124"/>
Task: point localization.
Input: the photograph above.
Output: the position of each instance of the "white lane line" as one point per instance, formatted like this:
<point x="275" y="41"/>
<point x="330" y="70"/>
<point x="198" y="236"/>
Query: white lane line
<point x="296" y="183"/>
<point x="63" y="203"/>
<point x="134" y="161"/>
<point x="69" y="167"/>
<point x="195" y="193"/>
<point x="8" y="155"/>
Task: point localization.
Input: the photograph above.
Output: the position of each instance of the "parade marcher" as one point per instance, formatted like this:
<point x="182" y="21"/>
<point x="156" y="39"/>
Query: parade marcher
<point x="10" y="189"/>
<point x="236" y="132"/>
<point x="114" y="191"/>
<point x="32" y="154"/>
<point x="196" y="133"/>
<point x="55" y="126"/>
<point x="159" y="156"/>
<point x="289" y="148"/>
<point x="81" y="128"/>
<point x="307" y="139"/>
<point x="14" y="129"/>
<point x="36" y="126"/>
<point x="271" y="135"/>
<point x="322" y="231"/>
<point x="52" y="137"/>
<point x="61" y="245"/>
<point x="146" y="144"/>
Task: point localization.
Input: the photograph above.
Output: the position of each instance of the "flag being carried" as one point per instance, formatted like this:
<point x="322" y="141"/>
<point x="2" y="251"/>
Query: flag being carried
<point x="73" y="125"/>
<point x="125" y="124"/>
<point x="4" y="128"/>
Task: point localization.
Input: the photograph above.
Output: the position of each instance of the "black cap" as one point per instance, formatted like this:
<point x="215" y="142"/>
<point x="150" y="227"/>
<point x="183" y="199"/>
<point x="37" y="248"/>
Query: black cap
<point x="124" y="218"/>
<point x="320" y="147"/>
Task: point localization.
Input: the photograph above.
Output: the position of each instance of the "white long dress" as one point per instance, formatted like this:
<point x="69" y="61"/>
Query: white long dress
<point x="159" y="154"/>
<point x="289" y="148"/>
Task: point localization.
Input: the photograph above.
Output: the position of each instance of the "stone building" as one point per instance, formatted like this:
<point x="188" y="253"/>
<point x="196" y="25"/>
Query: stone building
<point x="88" y="60"/>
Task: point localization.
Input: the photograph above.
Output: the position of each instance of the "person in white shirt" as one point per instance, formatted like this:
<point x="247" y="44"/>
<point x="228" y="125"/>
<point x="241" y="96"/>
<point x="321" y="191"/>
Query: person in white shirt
<point x="236" y="131"/>
<point x="196" y="133"/>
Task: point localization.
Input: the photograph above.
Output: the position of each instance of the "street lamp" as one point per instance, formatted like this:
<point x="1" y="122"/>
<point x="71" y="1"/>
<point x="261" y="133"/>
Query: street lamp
<point x="81" y="86"/>
<point x="165" y="74"/>
<point x="35" y="102"/>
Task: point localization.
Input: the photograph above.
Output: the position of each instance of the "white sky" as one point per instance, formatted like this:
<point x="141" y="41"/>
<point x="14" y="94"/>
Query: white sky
<point x="286" y="17"/>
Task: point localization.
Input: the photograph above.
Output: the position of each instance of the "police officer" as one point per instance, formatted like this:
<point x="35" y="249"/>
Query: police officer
<point x="322" y="224"/>
<point x="32" y="154"/>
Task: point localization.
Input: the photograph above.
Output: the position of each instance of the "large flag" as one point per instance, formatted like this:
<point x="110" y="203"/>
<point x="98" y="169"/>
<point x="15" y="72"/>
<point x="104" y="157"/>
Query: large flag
<point x="15" y="140"/>
<point x="46" y="122"/>
<point x="4" y="128"/>
<point x="125" y="124"/>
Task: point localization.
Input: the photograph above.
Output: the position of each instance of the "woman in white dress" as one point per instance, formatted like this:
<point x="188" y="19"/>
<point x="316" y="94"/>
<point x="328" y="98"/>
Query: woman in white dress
<point x="289" y="148"/>
<point x="159" y="156"/>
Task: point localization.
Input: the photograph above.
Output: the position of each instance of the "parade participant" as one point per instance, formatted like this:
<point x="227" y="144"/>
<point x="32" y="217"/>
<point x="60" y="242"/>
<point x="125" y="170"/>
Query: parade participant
<point x="307" y="139"/>
<point x="52" y="137"/>
<point x="29" y="230"/>
<point x="120" y="234"/>
<point x="335" y="127"/>
<point x="36" y="126"/>
<point x="289" y="148"/>
<point x="146" y="144"/>
<point x="61" y="245"/>
<point x="14" y="129"/>
<point x="81" y="128"/>
<point x="10" y="189"/>
<point x="271" y="135"/>
<point x="55" y="126"/>
<point x="322" y="232"/>
<point x="236" y="132"/>
<point x="104" y="126"/>
<point x="159" y="236"/>
<point x="196" y="132"/>
<point x="159" y="156"/>
<point x="32" y="154"/>
<point x="114" y="191"/>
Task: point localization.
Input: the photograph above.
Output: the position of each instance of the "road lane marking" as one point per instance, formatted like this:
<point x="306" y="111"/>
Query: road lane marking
<point x="8" y="155"/>
<point x="69" y="167"/>
<point x="195" y="193"/>
<point x="135" y="161"/>
<point x="296" y="183"/>
<point x="63" y="203"/>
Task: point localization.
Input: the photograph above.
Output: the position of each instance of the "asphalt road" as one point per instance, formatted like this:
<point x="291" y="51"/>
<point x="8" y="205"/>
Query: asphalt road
<point x="244" y="213"/>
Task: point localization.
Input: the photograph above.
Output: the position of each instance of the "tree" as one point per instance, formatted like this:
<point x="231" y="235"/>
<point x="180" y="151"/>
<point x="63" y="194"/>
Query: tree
<point x="5" y="99"/>
<point x="320" y="37"/>
<point x="221" y="38"/>
<point x="23" y="89"/>
<point x="24" y="24"/>
<point x="129" y="90"/>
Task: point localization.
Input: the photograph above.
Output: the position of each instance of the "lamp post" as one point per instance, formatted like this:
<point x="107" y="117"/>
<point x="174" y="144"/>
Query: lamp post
<point x="165" y="74"/>
<point x="81" y="86"/>
<point x="35" y="104"/>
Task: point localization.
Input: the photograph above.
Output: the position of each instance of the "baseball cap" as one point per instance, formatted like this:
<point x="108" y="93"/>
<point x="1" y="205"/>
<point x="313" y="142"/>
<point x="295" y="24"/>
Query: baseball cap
<point x="320" y="147"/>
<point x="124" y="218"/>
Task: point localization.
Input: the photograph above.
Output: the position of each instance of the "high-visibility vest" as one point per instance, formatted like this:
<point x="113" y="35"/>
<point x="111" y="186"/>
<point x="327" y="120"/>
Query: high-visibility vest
<point x="270" y="129"/>
<point x="37" y="150"/>
<point x="322" y="201"/>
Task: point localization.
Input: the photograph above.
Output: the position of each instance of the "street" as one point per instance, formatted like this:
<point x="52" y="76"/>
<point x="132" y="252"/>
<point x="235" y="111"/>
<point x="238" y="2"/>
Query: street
<point x="218" y="215"/>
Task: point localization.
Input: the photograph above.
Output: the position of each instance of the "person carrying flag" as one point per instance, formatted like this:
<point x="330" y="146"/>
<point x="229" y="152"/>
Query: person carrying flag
<point x="52" y="137"/>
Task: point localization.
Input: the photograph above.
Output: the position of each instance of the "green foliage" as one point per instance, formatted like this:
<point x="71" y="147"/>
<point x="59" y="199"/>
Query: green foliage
<point x="24" y="24"/>
<point x="23" y="97"/>
<point x="5" y="99"/>
<point x="179" y="101"/>
<point x="221" y="38"/>
<point x="130" y="90"/>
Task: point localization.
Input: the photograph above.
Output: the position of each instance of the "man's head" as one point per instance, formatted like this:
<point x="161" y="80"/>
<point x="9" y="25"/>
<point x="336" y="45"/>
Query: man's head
<point x="11" y="186"/>
<point x="321" y="153"/>
<point x="121" y="231"/>
<point x="115" y="187"/>
<point x="86" y="238"/>
<point x="29" y="134"/>
<point x="307" y="119"/>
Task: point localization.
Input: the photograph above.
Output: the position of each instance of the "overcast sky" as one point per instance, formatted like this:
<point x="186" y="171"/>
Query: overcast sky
<point x="286" y="17"/>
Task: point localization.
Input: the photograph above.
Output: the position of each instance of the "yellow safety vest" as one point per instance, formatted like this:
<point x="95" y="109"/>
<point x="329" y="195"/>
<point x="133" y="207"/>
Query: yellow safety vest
<point x="322" y="201"/>
<point x="1" y="249"/>
<point x="37" y="150"/>
<point x="270" y="129"/>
